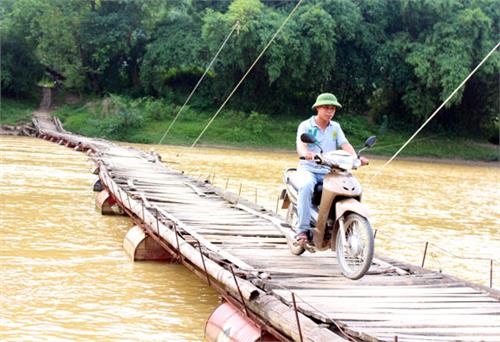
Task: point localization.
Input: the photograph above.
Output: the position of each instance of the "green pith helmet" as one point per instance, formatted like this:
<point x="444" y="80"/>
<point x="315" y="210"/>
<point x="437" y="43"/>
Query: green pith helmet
<point x="326" y="99"/>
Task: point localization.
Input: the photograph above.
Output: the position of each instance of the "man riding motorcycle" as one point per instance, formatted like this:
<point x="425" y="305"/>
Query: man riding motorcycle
<point x="329" y="136"/>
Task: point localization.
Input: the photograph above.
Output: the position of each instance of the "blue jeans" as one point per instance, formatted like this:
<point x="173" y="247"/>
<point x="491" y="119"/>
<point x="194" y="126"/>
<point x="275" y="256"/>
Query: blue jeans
<point x="305" y="180"/>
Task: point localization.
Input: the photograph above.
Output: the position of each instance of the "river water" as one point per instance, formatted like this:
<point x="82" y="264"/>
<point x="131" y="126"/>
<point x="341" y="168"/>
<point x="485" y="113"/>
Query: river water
<point x="64" y="274"/>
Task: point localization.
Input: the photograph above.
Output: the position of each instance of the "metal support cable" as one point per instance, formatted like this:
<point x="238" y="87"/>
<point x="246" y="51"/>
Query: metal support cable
<point x="235" y="26"/>
<point x="462" y="257"/>
<point x="247" y="72"/>
<point x="420" y="242"/>
<point x="437" y="110"/>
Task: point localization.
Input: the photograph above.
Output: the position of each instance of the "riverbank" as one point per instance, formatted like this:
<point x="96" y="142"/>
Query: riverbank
<point x="147" y="120"/>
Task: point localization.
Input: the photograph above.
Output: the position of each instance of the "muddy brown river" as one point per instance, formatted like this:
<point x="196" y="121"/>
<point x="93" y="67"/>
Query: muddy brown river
<point x="64" y="275"/>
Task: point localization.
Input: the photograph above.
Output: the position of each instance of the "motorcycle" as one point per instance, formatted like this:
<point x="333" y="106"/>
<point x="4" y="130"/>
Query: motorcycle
<point x="339" y="220"/>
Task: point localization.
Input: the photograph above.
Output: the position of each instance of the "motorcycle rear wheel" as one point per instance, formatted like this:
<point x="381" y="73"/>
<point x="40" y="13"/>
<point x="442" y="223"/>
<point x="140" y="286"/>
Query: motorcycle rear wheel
<point x="356" y="258"/>
<point x="292" y="220"/>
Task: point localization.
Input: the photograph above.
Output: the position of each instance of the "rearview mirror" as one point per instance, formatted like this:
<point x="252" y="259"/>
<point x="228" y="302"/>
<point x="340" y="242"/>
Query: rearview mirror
<point x="308" y="138"/>
<point x="370" y="141"/>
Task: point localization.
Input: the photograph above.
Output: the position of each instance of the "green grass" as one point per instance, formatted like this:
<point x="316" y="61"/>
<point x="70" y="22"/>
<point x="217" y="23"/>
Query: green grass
<point x="15" y="112"/>
<point x="146" y="120"/>
<point x="432" y="145"/>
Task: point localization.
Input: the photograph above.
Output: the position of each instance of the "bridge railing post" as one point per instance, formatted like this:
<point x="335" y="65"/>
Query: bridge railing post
<point x="158" y="223"/>
<point x="204" y="266"/>
<point x="425" y="253"/>
<point x="119" y="194"/>
<point x="491" y="273"/>
<point x="143" y="220"/>
<point x="239" y="291"/>
<point x="179" y="254"/>
<point x="297" y="317"/>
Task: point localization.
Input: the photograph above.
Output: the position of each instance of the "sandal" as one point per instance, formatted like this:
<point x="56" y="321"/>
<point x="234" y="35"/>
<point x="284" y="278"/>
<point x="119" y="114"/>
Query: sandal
<point x="301" y="239"/>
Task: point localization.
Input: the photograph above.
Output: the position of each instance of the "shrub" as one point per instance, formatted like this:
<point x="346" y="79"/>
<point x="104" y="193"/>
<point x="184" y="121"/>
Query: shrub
<point x="491" y="129"/>
<point x="125" y="115"/>
<point x="257" y="123"/>
<point x="158" y="109"/>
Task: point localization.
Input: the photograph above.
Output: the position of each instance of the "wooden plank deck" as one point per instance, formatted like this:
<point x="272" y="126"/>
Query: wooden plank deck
<point x="392" y="300"/>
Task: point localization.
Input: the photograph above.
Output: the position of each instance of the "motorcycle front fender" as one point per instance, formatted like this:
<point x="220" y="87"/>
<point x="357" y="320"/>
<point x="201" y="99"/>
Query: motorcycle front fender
<point x="350" y="205"/>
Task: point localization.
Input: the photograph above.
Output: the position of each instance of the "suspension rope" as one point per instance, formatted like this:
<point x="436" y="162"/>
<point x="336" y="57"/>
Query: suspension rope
<point x="437" y="110"/>
<point x="235" y="26"/>
<point x="248" y="71"/>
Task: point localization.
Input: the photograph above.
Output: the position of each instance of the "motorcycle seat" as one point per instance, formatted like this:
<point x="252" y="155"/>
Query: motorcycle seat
<point x="318" y="190"/>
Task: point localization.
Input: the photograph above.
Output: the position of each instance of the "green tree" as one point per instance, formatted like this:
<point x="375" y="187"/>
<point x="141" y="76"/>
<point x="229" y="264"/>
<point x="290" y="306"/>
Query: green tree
<point x="20" y="67"/>
<point x="172" y="57"/>
<point x="112" y="39"/>
<point x="241" y="49"/>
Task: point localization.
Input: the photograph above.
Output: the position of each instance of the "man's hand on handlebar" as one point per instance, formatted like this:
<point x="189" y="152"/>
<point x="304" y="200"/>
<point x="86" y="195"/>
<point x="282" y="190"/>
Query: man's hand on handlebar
<point x="364" y="161"/>
<point x="308" y="156"/>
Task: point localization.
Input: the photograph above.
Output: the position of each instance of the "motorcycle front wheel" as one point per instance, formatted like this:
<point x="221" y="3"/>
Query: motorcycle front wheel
<point x="355" y="257"/>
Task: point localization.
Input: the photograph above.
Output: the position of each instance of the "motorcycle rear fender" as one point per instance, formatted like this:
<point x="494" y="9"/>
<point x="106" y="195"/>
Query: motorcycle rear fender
<point x="350" y="205"/>
<point x="286" y="199"/>
<point x="288" y="194"/>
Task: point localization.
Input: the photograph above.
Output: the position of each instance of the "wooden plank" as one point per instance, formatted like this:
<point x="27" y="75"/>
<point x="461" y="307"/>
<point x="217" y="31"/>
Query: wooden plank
<point x="390" y="291"/>
<point x="415" y="338"/>
<point x="410" y="313"/>
<point x="402" y="301"/>
<point x="306" y="282"/>
<point x="477" y="321"/>
<point x="335" y="304"/>
<point x="439" y="331"/>
<point x="403" y="319"/>
<point x="242" y="265"/>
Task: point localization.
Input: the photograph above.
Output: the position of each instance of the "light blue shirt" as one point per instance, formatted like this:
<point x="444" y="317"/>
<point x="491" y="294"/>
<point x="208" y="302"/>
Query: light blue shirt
<point x="330" y="139"/>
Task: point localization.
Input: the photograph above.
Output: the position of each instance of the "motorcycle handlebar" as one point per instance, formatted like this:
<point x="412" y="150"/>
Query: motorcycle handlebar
<point x="317" y="158"/>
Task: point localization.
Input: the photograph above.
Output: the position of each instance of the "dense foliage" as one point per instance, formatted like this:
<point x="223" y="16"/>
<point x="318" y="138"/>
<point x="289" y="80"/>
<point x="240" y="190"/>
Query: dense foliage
<point x="392" y="61"/>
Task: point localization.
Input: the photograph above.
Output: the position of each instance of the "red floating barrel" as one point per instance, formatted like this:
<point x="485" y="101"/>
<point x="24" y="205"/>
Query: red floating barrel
<point x="107" y="204"/>
<point x="229" y="324"/>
